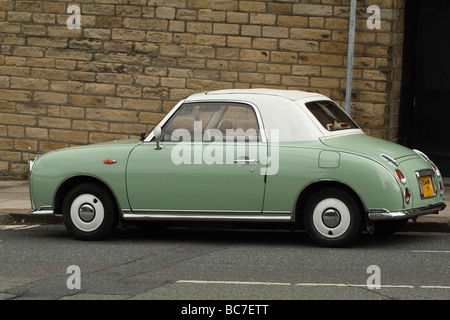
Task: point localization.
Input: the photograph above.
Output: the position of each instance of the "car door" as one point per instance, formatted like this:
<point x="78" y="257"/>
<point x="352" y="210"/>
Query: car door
<point x="209" y="164"/>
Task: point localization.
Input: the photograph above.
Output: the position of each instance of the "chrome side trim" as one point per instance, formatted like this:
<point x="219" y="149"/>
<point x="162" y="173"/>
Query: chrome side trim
<point x="423" y="155"/>
<point x="204" y="217"/>
<point x="195" y="211"/>
<point x="210" y="211"/>
<point x="276" y="212"/>
<point x="381" y="214"/>
<point x="390" y="159"/>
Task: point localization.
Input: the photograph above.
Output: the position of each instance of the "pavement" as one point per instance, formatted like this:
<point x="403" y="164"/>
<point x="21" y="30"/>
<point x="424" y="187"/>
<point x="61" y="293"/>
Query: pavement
<point x="15" y="207"/>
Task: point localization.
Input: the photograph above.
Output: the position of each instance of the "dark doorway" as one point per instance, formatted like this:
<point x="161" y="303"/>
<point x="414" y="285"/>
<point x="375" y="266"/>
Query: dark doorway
<point x="425" y="97"/>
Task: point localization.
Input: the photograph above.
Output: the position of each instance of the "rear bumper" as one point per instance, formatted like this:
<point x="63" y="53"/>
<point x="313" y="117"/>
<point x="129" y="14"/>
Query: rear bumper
<point x="386" y="215"/>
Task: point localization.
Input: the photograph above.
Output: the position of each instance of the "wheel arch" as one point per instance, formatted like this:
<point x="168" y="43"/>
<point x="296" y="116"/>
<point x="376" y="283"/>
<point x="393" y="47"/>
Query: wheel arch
<point x="73" y="181"/>
<point x="306" y="193"/>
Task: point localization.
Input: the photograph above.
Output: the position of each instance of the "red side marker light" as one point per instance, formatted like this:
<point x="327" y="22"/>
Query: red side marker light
<point x="109" y="161"/>
<point x="400" y="176"/>
<point x="407" y="196"/>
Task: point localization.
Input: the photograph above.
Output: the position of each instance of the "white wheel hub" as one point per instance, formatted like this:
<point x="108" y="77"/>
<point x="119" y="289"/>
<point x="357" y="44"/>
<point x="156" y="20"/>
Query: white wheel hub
<point x="331" y="218"/>
<point x="87" y="212"/>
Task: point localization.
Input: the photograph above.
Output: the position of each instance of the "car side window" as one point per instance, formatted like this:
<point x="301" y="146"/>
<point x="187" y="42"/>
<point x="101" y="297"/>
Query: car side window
<point x="212" y="122"/>
<point x="331" y="116"/>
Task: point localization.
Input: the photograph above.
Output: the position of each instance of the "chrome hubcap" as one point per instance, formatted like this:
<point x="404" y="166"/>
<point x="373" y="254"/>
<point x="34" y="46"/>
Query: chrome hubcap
<point x="86" y="212"/>
<point x="331" y="218"/>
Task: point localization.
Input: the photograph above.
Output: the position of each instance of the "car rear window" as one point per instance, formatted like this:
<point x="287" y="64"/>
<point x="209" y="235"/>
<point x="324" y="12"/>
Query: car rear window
<point x="330" y="115"/>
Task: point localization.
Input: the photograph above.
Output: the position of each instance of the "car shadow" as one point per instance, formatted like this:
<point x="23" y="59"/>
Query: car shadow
<point x="226" y="235"/>
<point x="260" y="236"/>
<point x="217" y="235"/>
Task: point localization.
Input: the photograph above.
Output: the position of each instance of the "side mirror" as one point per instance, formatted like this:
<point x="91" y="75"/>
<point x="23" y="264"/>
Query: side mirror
<point x="157" y="134"/>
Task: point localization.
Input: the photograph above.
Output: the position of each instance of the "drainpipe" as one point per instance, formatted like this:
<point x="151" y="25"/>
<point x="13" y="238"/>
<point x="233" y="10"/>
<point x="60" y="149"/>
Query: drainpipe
<point x="351" y="45"/>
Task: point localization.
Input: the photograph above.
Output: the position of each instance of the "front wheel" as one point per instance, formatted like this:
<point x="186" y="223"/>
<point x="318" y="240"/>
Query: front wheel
<point x="89" y="212"/>
<point x="333" y="218"/>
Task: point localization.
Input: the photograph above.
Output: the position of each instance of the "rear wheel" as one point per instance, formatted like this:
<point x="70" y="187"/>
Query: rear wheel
<point x="89" y="212"/>
<point x="332" y="218"/>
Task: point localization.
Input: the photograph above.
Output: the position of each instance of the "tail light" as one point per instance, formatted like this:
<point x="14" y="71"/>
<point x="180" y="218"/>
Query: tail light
<point x="441" y="189"/>
<point x="400" y="176"/>
<point x="407" y="196"/>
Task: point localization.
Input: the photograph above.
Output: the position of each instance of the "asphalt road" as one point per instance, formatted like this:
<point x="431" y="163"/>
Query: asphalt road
<point x="216" y="264"/>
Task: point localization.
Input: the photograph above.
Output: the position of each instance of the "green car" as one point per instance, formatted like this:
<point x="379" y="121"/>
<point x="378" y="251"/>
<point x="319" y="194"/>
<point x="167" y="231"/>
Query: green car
<point x="286" y="158"/>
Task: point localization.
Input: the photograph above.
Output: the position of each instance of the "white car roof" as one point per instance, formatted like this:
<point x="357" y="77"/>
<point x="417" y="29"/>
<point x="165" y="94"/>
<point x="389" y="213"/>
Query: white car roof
<point x="293" y="95"/>
<point x="283" y="112"/>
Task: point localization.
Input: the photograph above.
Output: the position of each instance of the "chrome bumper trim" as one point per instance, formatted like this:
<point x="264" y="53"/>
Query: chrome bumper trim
<point x="42" y="212"/>
<point x="384" y="214"/>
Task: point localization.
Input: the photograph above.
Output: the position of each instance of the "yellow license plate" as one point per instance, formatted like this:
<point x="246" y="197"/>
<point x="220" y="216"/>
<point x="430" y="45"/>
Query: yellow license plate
<point x="427" y="186"/>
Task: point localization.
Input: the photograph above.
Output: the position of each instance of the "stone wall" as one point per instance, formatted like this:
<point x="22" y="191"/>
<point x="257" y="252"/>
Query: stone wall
<point x="132" y="60"/>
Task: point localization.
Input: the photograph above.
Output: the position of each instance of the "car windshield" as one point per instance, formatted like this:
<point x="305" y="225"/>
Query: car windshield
<point x="330" y="115"/>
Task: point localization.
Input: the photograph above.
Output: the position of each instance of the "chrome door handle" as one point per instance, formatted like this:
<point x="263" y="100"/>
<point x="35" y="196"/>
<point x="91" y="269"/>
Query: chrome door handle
<point x="245" y="161"/>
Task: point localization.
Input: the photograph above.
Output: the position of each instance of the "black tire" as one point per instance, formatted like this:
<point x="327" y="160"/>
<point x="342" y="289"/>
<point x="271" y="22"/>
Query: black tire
<point x="90" y="212"/>
<point x="333" y="218"/>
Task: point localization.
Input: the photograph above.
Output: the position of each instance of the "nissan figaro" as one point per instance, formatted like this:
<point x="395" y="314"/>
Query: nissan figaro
<point x="282" y="157"/>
